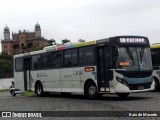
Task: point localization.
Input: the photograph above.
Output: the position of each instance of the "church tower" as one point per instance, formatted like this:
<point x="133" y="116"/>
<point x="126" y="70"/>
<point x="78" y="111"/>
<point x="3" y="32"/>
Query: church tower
<point x="6" y="33"/>
<point x="37" y="30"/>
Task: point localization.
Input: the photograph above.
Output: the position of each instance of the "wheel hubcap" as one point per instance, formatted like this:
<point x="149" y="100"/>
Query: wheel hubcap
<point x="155" y="84"/>
<point x="39" y="91"/>
<point x="92" y="90"/>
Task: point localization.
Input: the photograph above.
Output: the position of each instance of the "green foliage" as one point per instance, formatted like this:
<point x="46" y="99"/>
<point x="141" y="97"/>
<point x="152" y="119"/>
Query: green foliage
<point x="36" y="48"/>
<point x="51" y="42"/>
<point x="65" y="41"/>
<point x="6" y="66"/>
<point x="4" y="90"/>
<point x="81" y="40"/>
<point x="28" y="93"/>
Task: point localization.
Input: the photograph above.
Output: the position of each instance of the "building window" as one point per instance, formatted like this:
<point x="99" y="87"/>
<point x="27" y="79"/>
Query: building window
<point x="5" y="47"/>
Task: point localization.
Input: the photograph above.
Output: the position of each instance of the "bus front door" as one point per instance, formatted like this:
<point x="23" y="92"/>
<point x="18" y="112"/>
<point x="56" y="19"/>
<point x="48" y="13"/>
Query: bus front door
<point x="103" y="68"/>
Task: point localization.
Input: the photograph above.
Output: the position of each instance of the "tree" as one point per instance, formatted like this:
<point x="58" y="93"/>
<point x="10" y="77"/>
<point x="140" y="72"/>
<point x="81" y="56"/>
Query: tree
<point x="36" y="48"/>
<point x="6" y="66"/>
<point x="81" y="40"/>
<point x="52" y="42"/>
<point x="65" y="41"/>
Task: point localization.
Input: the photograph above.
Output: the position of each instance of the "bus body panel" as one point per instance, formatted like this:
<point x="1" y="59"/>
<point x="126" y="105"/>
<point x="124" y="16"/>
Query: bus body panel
<point x="155" y="52"/>
<point x="37" y="76"/>
<point x="52" y="80"/>
<point x="156" y="73"/>
<point x="70" y="78"/>
<point x="90" y="75"/>
<point x="19" y="81"/>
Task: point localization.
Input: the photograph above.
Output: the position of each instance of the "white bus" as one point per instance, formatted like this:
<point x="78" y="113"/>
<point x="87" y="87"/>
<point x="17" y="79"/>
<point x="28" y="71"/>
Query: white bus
<point x="120" y="65"/>
<point x="155" y="52"/>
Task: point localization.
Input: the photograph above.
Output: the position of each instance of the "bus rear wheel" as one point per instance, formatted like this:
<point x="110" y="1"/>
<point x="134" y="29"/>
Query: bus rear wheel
<point x="91" y="91"/>
<point x="122" y="95"/>
<point x="39" y="89"/>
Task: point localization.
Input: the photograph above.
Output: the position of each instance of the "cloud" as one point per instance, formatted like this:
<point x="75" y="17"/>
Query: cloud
<point x="86" y="19"/>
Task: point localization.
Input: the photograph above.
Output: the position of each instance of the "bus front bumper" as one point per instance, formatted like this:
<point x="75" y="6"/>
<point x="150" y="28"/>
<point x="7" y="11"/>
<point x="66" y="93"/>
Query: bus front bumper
<point x="121" y="88"/>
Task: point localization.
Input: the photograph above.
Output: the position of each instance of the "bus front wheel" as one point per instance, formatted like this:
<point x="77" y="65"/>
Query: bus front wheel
<point x="122" y="95"/>
<point x="91" y="91"/>
<point x="39" y="89"/>
<point x="157" y="85"/>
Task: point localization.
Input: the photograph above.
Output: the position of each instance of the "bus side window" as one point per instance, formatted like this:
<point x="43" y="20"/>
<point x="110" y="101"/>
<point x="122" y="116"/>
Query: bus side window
<point x="56" y="59"/>
<point x="46" y="60"/>
<point x="70" y="57"/>
<point x="155" y="58"/>
<point x="86" y="56"/>
<point x="36" y="62"/>
<point x="59" y="59"/>
<point x="19" y="64"/>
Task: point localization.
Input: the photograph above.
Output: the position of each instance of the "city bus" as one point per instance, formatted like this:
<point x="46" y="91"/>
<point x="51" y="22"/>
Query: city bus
<point x="155" y="53"/>
<point x="120" y="65"/>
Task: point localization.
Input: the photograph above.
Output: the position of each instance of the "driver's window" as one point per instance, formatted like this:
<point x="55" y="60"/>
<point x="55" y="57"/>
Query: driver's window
<point x="114" y="55"/>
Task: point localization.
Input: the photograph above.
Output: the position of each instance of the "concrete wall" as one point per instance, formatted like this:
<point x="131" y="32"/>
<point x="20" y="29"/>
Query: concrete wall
<point x="5" y="83"/>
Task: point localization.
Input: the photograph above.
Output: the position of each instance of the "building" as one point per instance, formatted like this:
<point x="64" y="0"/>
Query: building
<point x="23" y="41"/>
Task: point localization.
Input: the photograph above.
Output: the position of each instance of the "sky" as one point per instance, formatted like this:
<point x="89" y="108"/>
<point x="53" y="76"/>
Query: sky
<point x="82" y="19"/>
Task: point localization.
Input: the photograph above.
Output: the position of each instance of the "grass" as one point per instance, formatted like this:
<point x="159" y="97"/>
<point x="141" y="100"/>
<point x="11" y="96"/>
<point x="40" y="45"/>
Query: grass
<point x="4" y="90"/>
<point x="28" y="93"/>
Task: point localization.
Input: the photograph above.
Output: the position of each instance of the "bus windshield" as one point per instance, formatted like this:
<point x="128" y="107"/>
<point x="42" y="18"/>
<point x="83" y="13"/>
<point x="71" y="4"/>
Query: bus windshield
<point x="134" y="59"/>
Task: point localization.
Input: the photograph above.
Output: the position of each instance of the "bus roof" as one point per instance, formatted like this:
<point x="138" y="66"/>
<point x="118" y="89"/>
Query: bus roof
<point x="155" y="45"/>
<point x="57" y="48"/>
<point x="72" y="45"/>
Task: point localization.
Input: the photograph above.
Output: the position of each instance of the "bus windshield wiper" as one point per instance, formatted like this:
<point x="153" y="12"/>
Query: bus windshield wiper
<point x="130" y="54"/>
<point x="141" y="53"/>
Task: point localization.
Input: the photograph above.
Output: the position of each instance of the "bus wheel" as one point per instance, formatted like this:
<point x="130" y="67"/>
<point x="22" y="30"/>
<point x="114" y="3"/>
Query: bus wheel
<point x="91" y="91"/>
<point x="39" y="89"/>
<point x="156" y="85"/>
<point x="122" y="95"/>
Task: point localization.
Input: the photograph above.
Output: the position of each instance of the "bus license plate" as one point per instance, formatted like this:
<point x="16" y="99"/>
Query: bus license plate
<point x="140" y="87"/>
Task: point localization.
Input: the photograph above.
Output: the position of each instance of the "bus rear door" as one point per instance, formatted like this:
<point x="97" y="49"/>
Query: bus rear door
<point x="27" y="68"/>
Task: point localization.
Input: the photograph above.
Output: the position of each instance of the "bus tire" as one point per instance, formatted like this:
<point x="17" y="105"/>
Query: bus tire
<point x="91" y="91"/>
<point x="39" y="90"/>
<point x="122" y="95"/>
<point x="156" y="85"/>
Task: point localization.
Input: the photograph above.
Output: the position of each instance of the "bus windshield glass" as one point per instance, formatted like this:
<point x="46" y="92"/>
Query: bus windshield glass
<point x="134" y="59"/>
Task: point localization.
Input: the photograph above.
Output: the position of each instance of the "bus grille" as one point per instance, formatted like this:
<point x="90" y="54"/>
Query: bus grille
<point x="139" y="86"/>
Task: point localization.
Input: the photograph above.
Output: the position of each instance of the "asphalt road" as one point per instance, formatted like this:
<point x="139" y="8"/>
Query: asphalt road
<point x="147" y="101"/>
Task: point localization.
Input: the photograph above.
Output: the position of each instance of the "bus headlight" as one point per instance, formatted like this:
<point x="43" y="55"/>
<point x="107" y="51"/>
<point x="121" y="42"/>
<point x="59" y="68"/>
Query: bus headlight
<point x="122" y="81"/>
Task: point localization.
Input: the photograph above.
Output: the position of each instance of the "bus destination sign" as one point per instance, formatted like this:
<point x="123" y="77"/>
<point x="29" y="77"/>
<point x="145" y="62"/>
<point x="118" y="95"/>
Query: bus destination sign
<point x="132" y="40"/>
